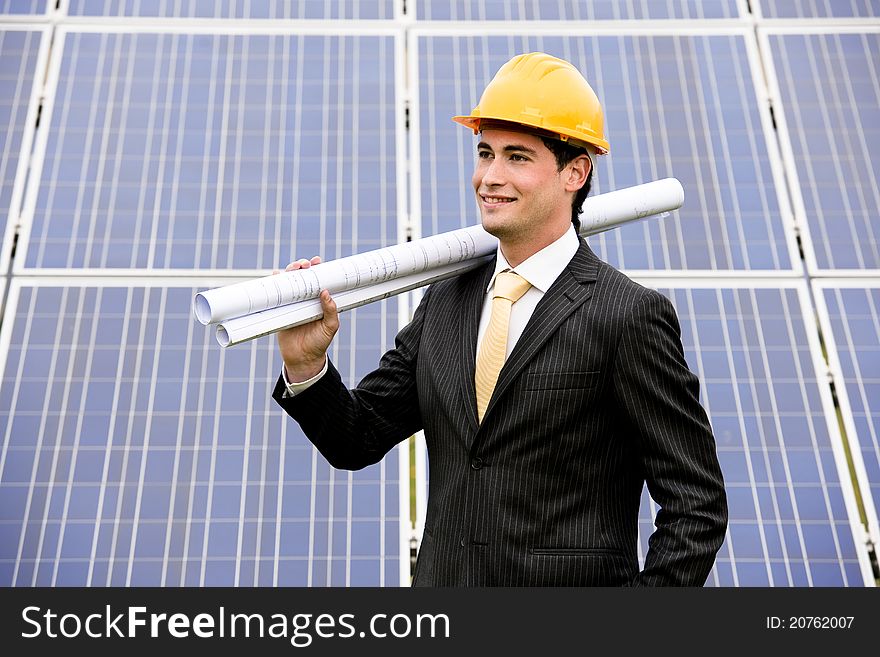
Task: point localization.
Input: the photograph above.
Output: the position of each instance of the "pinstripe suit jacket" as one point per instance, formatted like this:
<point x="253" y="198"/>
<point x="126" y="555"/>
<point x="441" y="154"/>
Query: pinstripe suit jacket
<point x="595" y="399"/>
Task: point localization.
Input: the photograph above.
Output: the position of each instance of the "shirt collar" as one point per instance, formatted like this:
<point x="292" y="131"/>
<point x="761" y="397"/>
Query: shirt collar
<point x="541" y="269"/>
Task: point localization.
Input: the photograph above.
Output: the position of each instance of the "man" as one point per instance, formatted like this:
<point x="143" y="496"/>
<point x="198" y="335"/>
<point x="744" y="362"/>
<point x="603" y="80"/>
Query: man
<point x="548" y="394"/>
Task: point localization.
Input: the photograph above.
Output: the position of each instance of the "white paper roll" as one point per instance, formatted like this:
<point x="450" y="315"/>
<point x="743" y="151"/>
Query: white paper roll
<point x="261" y="306"/>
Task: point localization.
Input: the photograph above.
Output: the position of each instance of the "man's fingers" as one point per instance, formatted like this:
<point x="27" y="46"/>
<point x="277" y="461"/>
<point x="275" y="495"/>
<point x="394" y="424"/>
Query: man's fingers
<point x="302" y="263"/>
<point x="331" y="315"/>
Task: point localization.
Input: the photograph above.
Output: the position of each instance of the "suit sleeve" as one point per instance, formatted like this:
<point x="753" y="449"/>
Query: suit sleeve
<point x="660" y="398"/>
<point x="356" y="428"/>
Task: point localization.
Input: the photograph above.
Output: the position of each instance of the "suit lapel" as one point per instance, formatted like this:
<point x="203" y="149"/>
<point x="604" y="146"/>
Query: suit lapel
<point x="473" y="299"/>
<point x="568" y="292"/>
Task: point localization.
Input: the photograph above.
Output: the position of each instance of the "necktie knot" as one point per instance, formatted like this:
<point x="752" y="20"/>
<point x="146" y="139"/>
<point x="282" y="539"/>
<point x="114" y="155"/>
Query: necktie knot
<point x="510" y="285"/>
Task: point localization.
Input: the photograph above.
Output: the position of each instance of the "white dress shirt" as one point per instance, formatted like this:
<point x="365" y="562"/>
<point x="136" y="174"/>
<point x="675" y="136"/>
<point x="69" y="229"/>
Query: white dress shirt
<point x="541" y="270"/>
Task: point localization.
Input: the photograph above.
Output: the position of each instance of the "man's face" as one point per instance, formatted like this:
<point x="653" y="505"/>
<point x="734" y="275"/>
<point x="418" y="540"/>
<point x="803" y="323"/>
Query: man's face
<point x="520" y="193"/>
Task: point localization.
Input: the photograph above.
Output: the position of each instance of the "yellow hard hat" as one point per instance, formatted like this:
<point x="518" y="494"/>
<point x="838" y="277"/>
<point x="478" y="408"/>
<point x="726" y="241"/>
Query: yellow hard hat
<point x="544" y="92"/>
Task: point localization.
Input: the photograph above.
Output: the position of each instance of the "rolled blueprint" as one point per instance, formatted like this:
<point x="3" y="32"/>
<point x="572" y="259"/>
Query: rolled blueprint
<point x="242" y="329"/>
<point x="258" y="307"/>
<point x="357" y="271"/>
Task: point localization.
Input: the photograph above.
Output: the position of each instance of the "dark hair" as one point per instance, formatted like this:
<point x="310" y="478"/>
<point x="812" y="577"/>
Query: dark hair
<point x="565" y="153"/>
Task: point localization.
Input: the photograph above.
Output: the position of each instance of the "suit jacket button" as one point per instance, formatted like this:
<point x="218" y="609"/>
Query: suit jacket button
<point x="463" y="542"/>
<point x="476" y="463"/>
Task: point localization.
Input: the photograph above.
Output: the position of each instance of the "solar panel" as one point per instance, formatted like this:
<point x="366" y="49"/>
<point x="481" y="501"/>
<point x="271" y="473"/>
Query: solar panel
<point x="496" y="10"/>
<point x="135" y="451"/>
<point x="819" y="8"/>
<point x="20" y="53"/>
<point x="215" y="151"/>
<point x="827" y="85"/>
<point x="850" y="315"/>
<point x="234" y="146"/>
<point x="793" y="520"/>
<point x="309" y="9"/>
<point x="12" y="7"/>
<point x="681" y="106"/>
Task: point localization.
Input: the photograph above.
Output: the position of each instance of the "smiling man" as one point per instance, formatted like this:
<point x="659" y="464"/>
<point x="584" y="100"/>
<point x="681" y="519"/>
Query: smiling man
<point x="549" y="385"/>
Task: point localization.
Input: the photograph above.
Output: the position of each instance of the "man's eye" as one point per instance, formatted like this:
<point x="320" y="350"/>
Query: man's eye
<point x="518" y="158"/>
<point x="484" y="154"/>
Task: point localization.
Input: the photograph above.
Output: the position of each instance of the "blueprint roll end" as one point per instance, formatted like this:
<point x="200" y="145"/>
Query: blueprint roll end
<point x="676" y="183"/>
<point x="202" y="309"/>
<point x="222" y="336"/>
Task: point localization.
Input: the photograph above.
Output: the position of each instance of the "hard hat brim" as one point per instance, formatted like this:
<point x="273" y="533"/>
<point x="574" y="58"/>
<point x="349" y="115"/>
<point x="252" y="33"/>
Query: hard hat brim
<point x="600" y="146"/>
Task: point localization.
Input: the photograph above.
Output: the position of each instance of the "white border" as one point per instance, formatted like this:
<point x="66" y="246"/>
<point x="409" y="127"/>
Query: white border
<point x="27" y="138"/>
<point x="785" y="141"/>
<point x="836" y="370"/>
<point x="39" y="152"/>
<point x="414" y="224"/>
<point x="777" y="166"/>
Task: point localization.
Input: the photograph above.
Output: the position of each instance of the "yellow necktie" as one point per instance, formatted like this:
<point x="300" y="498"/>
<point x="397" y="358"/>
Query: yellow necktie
<point x="509" y="287"/>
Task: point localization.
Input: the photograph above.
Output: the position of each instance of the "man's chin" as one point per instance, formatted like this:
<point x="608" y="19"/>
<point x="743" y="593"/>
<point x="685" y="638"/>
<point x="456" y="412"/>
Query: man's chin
<point x="494" y="227"/>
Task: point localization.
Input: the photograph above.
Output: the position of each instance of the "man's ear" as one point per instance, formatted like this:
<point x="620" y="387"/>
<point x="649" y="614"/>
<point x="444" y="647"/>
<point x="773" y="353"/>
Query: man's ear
<point x="577" y="172"/>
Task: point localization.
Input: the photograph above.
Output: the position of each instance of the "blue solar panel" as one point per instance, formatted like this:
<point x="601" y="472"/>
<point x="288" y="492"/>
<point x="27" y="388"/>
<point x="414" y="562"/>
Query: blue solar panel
<point x="820" y="8"/>
<point x="494" y="10"/>
<point x="188" y="151"/>
<point x="829" y="94"/>
<point x="680" y="106"/>
<point x="135" y="450"/>
<point x="790" y="522"/>
<point x="22" y="7"/>
<point x="316" y="9"/>
<point x="19" y="52"/>
<point x="853" y="339"/>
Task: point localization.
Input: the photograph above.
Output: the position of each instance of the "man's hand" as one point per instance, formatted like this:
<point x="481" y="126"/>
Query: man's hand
<point x="304" y="348"/>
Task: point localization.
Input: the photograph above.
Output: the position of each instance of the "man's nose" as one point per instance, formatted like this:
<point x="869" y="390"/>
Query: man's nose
<point x="493" y="174"/>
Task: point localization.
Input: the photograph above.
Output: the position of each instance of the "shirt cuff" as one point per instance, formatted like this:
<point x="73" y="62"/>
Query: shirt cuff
<point x="294" y="389"/>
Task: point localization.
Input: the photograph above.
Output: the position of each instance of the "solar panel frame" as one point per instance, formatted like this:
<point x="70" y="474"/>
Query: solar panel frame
<point x="834" y="344"/>
<point x="215" y="28"/>
<point x="665" y="281"/>
<point x="787" y="135"/>
<point x="27" y="139"/>
<point x="136" y="568"/>
<point x="775" y="161"/>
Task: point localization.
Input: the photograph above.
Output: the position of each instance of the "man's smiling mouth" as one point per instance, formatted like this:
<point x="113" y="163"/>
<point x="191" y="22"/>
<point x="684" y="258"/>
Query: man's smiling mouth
<point x="496" y="200"/>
